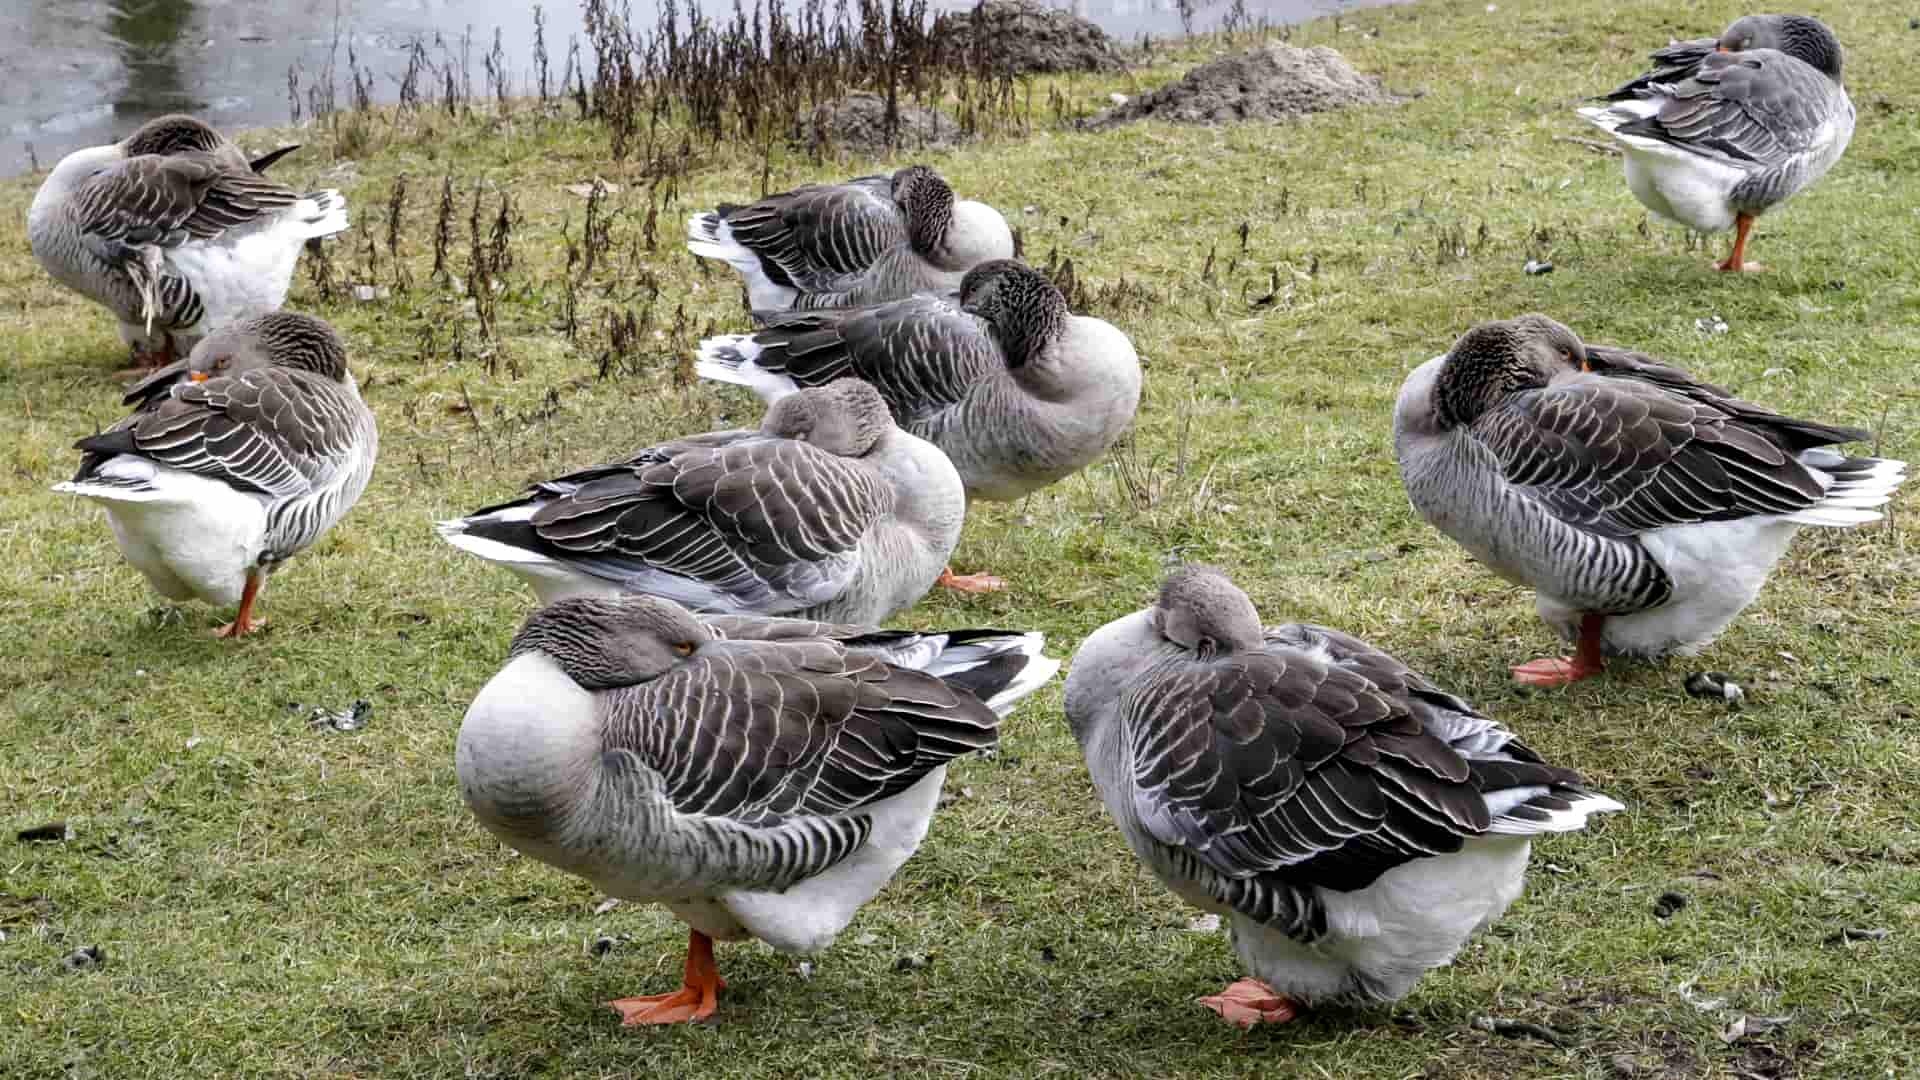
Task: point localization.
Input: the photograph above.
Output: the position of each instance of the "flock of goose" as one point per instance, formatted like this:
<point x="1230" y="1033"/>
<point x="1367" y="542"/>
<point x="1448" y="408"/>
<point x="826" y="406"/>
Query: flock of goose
<point x="703" y="713"/>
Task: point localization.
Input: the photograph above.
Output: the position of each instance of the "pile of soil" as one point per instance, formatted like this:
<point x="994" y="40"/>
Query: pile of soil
<point x="1022" y="36"/>
<point x="1271" y="82"/>
<point x="857" y="124"/>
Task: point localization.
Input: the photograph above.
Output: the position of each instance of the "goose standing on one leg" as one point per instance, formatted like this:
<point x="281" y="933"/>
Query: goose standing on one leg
<point x="1717" y="136"/>
<point x="1645" y="509"/>
<point x="233" y="461"/>
<point x="1354" y="822"/>
<point x="175" y="231"/>
<point x="1016" y="389"/>
<point x="762" y="778"/>
<point x="865" y="241"/>
<point x="828" y="511"/>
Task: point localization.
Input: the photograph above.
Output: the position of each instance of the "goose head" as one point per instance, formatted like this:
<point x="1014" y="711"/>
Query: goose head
<point x="285" y="339"/>
<point x="1021" y="307"/>
<point x="602" y="643"/>
<point x="171" y="134"/>
<point x="845" y="418"/>
<point x="1799" y="36"/>
<point x="927" y="202"/>
<point x="1204" y="613"/>
<point x="1495" y="359"/>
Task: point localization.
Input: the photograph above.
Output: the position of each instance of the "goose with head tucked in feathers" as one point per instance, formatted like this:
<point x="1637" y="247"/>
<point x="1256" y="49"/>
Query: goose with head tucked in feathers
<point x="1016" y="389"/>
<point x="1724" y="129"/>
<point x="762" y="778"/>
<point x="176" y="232"/>
<point x="1643" y="507"/>
<point x="1354" y="823"/>
<point x="828" y="511"/>
<point x="234" y="460"/>
<point x="865" y="241"/>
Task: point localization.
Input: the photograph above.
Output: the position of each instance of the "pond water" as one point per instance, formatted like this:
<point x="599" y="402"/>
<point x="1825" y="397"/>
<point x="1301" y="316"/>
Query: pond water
<point x="84" y="72"/>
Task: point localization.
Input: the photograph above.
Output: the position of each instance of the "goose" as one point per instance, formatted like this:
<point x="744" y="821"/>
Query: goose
<point x="1018" y="391"/>
<point x="233" y="461"/>
<point x="762" y="778"/>
<point x="1644" y="508"/>
<point x="1352" y="821"/>
<point x="1723" y="130"/>
<point x="865" y="241"/>
<point x="176" y="232"/>
<point x="829" y="511"/>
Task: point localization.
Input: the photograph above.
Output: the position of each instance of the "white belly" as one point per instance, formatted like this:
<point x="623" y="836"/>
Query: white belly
<point x="1386" y="936"/>
<point x="241" y="275"/>
<point x="1683" y="188"/>
<point x="1717" y="570"/>
<point x="195" y="540"/>
<point x="808" y="916"/>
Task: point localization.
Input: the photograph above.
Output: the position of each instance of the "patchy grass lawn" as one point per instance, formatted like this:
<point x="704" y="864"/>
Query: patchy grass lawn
<point x="276" y="899"/>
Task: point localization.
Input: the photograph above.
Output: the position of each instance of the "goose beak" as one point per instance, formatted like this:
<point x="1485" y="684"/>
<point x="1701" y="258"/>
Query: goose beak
<point x="1721" y="48"/>
<point x="197" y="376"/>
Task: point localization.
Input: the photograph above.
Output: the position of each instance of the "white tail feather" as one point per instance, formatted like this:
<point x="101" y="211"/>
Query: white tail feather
<point x="729" y="358"/>
<point x="455" y="532"/>
<point x="321" y="213"/>
<point x="1852" y="498"/>
<point x="1572" y="819"/>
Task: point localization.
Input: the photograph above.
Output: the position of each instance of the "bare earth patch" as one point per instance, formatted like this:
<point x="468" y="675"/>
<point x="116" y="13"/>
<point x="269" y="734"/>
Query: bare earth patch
<point x="857" y="124"/>
<point x="1272" y="82"/>
<point x="1022" y="37"/>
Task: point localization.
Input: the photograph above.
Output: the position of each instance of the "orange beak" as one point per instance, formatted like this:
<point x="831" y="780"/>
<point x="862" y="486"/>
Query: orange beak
<point x="197" y="376"/>
<point x="1721" y="48"/>
<point x="1586" y="365"/>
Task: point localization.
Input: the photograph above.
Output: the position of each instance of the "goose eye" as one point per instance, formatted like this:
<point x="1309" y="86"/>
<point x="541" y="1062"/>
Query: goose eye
<point x="684" y="648"/>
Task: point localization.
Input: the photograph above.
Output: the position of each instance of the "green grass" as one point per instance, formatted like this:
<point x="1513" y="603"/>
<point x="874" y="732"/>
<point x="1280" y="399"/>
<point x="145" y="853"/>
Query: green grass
<point x="276" y="900"/>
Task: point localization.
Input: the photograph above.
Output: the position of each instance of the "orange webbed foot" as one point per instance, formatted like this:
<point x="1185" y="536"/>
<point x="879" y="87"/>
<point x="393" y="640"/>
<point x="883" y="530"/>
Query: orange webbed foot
<point x="1552" y="671"/>
<point x="687" y="1005"/>
<point x="1250" y="1002"/>
<point x="969" y="583"/>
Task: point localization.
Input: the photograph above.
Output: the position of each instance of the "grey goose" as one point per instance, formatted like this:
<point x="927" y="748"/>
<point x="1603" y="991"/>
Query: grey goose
<point x="1354" y="823"/>
<point x="1016" y="389"/>
<point x="233" y="460"/>
<point x="1644" y="508"/>
<point x="1725" y="129"/>
<point x="762" y="778"/>
<point x="864" y="241"/>
<point x="827" y="511"/>
<point x="176" y="232"/>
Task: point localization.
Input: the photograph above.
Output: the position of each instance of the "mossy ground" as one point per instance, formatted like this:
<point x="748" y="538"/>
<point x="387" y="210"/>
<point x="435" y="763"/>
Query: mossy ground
<point x="273" y="899"/>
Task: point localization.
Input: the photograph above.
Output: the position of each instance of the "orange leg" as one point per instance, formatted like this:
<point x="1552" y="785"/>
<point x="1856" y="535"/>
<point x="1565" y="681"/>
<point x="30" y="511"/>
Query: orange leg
<point x="1742" y="224"/>
<point x="1585" y="662"/>
<point x="244" y="622"/>
<point x="971" y="583"/>
<point x="695" y="1000"/>
<point x="1250" y="1001"/>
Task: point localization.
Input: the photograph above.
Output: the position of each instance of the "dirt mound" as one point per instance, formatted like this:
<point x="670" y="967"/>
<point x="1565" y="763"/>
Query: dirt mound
<point x="857" y="124"/>
<point x="1022" y="36"/>
<point x="1271" y="82"/>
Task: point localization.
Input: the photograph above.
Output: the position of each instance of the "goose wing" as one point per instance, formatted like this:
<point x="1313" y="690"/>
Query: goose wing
<point x="168" y="200"/>
<point x="275" y="431"/>
<point x="816" y="237"/>
<point x="758" y="731"/>
<point x="922" y="353"/>
<point x="1672" y="63"/>
<point x="1750" y="109"/>
<point x="1620" y="452"/>
<point x="746" y="522"/>
<point x="1317" y="760"/>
